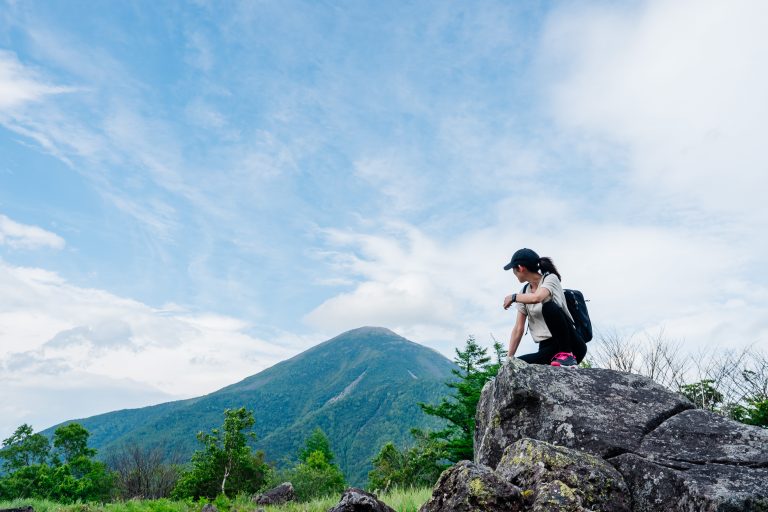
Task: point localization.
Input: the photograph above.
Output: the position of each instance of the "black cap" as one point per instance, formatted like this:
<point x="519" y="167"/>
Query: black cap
<point x="526" y="257"/>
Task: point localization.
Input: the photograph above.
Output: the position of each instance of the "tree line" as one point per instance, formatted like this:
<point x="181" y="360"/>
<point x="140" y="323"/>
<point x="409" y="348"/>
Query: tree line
<point x="225" y="465"/>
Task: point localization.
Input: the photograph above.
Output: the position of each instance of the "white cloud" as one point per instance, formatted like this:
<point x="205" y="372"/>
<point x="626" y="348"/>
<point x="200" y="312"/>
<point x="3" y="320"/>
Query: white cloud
<point x="53" y="333"/>
<point x="43" y="399"/>
<point x="636" y="277"/>
<point x="20" y="85"/>
<point x="678" y="87"/>
<point x="23" y="236"/>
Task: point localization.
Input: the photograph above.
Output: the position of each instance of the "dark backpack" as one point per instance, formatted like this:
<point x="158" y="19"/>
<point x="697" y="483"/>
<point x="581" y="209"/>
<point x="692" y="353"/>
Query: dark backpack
<point x="577" y="307"/>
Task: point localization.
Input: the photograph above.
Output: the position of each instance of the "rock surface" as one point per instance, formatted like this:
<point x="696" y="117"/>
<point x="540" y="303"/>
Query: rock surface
<point x="700" y="437"/>
<point x="667" y="455"/>
<point x="468" y="487"/>
<point x="694" y="488"/>
<point x="562" y="476"/>
<point x="602" y="412"/>
<point x="283" y="493"/>
<point x="357" y="500"/>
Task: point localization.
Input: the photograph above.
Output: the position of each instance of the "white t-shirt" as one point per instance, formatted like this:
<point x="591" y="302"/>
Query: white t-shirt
<point x="536" y="324"/>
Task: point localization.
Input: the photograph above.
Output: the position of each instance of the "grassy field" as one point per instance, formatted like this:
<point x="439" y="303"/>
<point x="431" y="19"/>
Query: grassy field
<point x="408" y="500"/>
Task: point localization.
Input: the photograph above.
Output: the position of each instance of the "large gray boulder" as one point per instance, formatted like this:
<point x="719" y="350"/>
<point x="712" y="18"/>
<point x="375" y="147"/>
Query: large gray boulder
<point x="602" y="412"/>
<point x="670" y="456"/>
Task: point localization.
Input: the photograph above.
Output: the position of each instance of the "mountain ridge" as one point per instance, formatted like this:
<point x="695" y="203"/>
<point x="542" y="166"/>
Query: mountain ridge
<point x="359" y="387"/>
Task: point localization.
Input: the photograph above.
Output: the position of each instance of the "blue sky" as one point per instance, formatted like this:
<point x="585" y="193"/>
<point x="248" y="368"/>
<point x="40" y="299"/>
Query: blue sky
<point x="191" y="192"/>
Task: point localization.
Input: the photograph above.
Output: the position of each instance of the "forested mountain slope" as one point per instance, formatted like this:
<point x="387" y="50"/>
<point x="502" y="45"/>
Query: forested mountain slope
<point x="361" y="387"/>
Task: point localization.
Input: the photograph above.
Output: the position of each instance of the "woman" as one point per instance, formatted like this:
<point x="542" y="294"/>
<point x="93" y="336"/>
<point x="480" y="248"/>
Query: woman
<point x="542" y="303"/>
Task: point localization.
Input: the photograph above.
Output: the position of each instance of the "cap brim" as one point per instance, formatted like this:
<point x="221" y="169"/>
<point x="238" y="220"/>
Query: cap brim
<point x="509" y="266"/>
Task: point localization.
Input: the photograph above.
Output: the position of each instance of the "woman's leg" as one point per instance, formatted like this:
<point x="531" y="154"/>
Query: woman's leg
<point x="546" y="352"/>
<point x="559" y="326"/>
<point x="579" y="348"/>
<point x="563" y="332"/>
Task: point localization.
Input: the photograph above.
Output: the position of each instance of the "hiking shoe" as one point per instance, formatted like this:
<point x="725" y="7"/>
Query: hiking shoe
<point x="564" y="359"/>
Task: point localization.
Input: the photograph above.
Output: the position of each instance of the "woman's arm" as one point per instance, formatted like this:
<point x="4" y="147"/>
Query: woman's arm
<point x="517" y="334"/>
<point x="540" y="295"/>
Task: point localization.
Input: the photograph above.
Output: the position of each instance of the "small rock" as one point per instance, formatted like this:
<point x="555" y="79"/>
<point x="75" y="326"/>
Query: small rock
<point x="210" y="507"/>
<point x="279" y="495"/>
<point x="28" y="508"/>
<point x="357" y="500"/>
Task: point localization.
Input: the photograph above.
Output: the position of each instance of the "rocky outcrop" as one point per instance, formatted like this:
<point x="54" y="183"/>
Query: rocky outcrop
<point x="602" y="412"/>
<point x="559" y="475"/>
<point x="629" y="443"/>
<point x="279" y="495"/>
<point x="693" y="488"/>
<point x="468" y="487"/>
<point x="357" y="500"/>
<point x="532" y="475"/>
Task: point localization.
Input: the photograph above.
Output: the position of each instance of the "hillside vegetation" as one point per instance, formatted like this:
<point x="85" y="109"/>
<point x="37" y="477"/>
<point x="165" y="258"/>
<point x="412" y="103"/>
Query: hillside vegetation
<point x="362" y="388"/>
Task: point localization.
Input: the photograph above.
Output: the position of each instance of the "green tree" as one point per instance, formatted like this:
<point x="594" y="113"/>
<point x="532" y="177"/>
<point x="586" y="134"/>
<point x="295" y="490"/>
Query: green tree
<point x="314" y="475"/>
<point x="226" y="463"/>
<point x="71" y="443"/>
<point x="474" y="370"/>
<point x="754" y="412"/>
<point x="317" y="442"/>
<point x="32" y="472"/>
<point x="33" y="481"/>
<point x="417" y="466"/>
<point x="24" y="448"/>
<point x="703" y="394"/>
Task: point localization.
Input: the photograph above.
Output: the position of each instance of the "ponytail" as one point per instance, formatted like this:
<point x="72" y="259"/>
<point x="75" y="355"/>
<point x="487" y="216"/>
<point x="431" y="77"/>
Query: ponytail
<point x="546" y="266"/>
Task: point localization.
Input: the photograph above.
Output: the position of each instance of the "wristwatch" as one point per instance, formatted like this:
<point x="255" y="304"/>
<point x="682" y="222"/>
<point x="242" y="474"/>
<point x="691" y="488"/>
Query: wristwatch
<point x="514" y="297"/>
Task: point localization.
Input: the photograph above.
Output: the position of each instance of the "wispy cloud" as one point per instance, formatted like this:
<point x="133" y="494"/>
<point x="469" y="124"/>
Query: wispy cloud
<point x="22" y="236"/>
<point x="20" y="85"/>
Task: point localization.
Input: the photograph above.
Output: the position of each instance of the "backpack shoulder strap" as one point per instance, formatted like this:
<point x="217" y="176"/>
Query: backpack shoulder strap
<point x="525" y="287"/>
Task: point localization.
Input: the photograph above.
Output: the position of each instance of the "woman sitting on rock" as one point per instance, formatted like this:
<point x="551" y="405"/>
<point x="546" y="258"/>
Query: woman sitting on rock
<point x="542" y="303"/>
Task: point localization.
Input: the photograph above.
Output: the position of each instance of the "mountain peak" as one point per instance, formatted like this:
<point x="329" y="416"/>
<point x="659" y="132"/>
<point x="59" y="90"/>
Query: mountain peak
<point x="369" y="329"/>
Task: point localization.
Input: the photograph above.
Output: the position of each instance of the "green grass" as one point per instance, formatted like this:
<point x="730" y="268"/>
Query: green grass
<point x="407" y="500"/>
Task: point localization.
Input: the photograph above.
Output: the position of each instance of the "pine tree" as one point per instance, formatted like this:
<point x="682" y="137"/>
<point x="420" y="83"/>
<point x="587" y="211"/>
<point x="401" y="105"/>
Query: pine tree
<point x="475" y="368"/>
